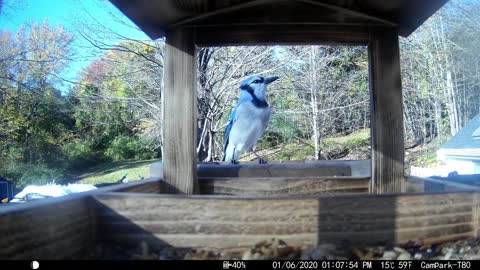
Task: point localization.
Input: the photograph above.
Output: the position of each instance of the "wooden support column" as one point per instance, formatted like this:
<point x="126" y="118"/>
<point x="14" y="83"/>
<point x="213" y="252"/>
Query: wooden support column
<point x="180" y="112"/>
<point x="386" y="112"/>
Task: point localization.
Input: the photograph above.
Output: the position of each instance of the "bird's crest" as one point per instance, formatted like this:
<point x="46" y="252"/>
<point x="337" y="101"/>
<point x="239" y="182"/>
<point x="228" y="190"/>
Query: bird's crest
<point x="245" y="85"/>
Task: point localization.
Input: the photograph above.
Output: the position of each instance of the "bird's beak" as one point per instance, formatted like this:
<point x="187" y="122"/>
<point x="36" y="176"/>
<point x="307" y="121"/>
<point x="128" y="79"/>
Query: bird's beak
<point x="270" y="80"/>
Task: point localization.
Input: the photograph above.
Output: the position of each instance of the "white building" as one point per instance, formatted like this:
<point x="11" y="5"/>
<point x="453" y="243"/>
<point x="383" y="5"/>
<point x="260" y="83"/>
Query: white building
<point x="462" y="152"/>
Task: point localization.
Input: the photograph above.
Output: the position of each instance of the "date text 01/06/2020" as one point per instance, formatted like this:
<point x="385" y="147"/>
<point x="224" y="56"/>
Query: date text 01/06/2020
<point x="375" y="264"/>
<point x="327" y="265"/>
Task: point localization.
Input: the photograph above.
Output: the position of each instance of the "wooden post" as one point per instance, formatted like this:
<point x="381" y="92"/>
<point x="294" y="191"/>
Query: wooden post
<point x="386" y="112"/>
<point x="180" y="110"/>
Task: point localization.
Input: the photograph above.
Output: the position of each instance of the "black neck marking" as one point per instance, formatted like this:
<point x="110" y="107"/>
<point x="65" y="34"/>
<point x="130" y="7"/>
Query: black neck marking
<point x="255" y="100"/>
<point x="259" y="103"/>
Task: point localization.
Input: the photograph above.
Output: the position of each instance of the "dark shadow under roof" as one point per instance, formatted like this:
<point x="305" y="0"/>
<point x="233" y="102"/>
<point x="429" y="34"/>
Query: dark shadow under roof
<point x="154" y="17"/>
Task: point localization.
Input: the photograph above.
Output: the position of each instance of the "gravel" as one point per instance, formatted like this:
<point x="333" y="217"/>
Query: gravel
<point x="467" y="249"/>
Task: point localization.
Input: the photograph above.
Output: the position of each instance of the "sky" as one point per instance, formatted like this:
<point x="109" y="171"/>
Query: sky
<point x="68" y="13"/>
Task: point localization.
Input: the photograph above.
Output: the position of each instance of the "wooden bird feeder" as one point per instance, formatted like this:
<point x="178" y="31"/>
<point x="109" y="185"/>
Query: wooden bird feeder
<point x="234" y="206"/>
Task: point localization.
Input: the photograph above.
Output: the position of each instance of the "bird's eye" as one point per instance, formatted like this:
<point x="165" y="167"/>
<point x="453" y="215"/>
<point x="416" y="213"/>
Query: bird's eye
<point x="256" y="81"/>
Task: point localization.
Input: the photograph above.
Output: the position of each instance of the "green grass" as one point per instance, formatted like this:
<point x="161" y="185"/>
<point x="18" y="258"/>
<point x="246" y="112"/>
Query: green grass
<point x="341" y="146"/>
<point x="424" y="155"/>
<point x="333" y="147"/>
<point x="428" y="160"/>
<point x="355" y="139"/>
<point x="111" y="172"/>
<point x="295" y="151"/>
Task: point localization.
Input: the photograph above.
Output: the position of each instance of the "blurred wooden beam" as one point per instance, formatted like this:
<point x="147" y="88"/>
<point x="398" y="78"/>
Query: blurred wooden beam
<point x="388" y="154"/>
<point x="180" y="111"/>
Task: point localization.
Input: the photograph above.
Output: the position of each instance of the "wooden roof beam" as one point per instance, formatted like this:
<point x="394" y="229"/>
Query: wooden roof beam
<point x="222" y="11"/>
<point x="243" y="35"/>
<point x="349" y="11"/>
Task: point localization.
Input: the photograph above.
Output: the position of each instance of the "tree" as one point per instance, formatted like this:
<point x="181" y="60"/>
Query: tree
<point x="33" y="121"/>
<point x="327" y="81"/>
<point x="440" y="73"/>
<point x="128" y="75"/>
<point x="119" y="95"/>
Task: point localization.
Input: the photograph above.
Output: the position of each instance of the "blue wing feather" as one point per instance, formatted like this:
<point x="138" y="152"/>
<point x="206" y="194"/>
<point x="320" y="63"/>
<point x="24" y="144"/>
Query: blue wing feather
<point x="231" y="119"/>
<point x="243" y="98"/>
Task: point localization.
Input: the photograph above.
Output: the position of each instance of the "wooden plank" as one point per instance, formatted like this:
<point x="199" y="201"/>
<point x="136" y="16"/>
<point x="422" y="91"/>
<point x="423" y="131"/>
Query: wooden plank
<point x="286" y="12"/>
<point x="149" y="185"/>
<point x="476" y="216"/>
<point x="58" y="228"/>
<point x="152" y="185"/>
<point x="388" y="152"/>
<point x="342" y="11"/>
<point x="327" y="168"/>
<point x="229" y="222"/>
<point x="462" y="178"/>
<point x="286" y="169"/>
<point x="232" y="35"/>
<point x="257" y="186"/>
<point x="436" y="185"/>
<point x="468" y="181"/>
<point x="224" y="10"/>
<point x="180" y="109"/>
<point x="414" y="185"/>
<point x="268" y="186"/>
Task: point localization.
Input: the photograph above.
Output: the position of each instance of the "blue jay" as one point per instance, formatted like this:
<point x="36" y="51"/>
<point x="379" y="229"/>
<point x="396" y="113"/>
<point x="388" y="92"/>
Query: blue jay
<point x="248" y="120"/>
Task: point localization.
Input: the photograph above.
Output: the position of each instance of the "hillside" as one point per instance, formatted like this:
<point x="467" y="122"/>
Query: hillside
<point x="354" y="146"/>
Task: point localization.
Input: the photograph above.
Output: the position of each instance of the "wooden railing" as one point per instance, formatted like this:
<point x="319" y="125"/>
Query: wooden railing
<point x="235" y="212"/>
<point x="229" y="222"/>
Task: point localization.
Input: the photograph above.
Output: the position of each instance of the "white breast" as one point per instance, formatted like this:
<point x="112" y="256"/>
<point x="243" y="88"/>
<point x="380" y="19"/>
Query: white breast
<point x="249" y="126"/>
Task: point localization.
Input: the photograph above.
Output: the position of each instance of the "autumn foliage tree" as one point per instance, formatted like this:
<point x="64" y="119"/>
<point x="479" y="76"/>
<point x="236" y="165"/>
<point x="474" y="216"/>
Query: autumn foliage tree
<point x="33" y="119"/>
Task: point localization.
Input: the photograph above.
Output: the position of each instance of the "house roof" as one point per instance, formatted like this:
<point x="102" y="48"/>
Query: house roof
<point x="467" y="137"/>
<point x="154" y="17"/>
<point x="476" y="133"/>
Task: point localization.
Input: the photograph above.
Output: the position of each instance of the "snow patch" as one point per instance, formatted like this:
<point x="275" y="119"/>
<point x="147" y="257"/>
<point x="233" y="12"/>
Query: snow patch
<point x="34" y="192"/>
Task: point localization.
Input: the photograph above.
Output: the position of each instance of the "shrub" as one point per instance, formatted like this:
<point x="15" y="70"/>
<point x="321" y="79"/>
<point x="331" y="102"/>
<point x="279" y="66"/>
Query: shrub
<point x="81" y="154"/>
<point x="12" y="163"/>
<point x="270" y="139"/>
<point x="11" y="170"/>
<point x="125" y="147"/>
<point x="39" y="174"/>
